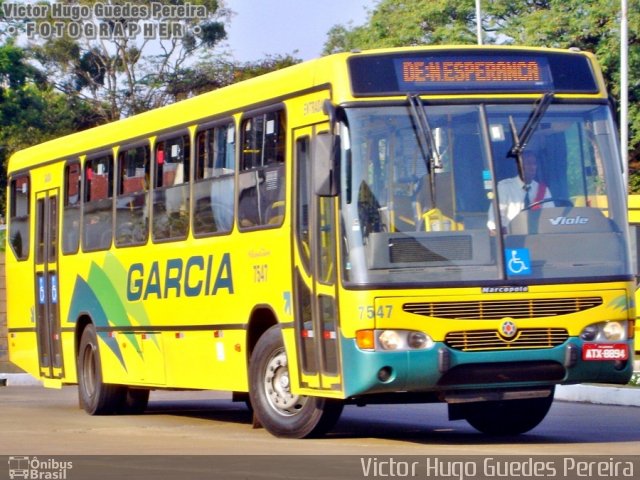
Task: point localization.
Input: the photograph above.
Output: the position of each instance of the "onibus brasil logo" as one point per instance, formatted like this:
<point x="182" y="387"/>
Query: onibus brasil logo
<point x="38" y="469"/>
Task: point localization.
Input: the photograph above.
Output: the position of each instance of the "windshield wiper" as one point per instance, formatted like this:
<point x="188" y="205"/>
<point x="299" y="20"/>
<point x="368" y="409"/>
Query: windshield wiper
<point x="520" y="139"/>
<point x="426" y="141"/>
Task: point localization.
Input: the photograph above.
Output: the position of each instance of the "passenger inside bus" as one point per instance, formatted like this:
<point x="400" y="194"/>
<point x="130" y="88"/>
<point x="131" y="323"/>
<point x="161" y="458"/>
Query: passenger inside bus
<point x="171" y="193"/>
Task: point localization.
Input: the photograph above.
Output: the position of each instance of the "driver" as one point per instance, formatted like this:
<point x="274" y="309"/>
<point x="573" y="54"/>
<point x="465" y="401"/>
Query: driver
<point x="516" y="194"/>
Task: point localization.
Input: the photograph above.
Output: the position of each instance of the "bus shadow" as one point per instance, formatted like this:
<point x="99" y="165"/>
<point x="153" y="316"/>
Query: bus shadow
<point x="214" y="410"/>
<point x="458" y="433"/>
<point x="426" y="424"/>
<point x="565" y="424"/>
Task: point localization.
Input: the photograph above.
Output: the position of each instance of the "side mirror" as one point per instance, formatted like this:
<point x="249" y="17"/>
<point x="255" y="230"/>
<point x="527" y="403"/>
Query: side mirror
<point x="326" y="155"/>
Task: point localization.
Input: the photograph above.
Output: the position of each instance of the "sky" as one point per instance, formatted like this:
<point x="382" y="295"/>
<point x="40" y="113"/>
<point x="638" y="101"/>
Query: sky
<point x="279" y="27"/>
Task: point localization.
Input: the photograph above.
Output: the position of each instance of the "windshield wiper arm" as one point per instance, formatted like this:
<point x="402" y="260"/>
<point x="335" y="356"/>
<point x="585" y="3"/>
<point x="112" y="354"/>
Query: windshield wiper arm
<point x="426" y="142"/>
<point x="520" y="139"/>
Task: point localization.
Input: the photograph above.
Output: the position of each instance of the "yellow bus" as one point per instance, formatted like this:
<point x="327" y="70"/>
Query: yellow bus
<point x="351" y="229"/>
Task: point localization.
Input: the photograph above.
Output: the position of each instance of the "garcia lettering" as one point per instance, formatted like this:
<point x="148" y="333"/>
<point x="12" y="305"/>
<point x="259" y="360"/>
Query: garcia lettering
<point x="176" y="277"/>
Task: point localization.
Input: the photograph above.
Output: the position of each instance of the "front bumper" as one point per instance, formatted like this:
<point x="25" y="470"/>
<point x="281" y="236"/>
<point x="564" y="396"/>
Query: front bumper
<point x="443" y="369"/>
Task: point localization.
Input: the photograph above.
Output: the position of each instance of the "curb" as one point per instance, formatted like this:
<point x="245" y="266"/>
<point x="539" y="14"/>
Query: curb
<point x="18" y="379"/>
<point x="599" y="394"/>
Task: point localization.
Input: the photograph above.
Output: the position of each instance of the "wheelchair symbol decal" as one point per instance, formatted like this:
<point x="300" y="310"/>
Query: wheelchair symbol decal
<point x="518" y="261"/>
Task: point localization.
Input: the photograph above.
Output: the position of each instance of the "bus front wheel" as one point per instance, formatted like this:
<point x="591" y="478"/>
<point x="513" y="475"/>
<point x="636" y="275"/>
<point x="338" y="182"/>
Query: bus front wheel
<point x="510" y="417"/>
<point x="96" y="397"/>
<point x="280" y="411"/>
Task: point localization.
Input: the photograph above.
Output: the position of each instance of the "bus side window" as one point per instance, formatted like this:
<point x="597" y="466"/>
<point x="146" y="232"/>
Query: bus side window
<point x="214" y="180"/>
<point x="71" y="216"/>
<point x="171" y="189"/>
<point x="97" y="217"/>
<point x="261" y="180"/>
<point x="132" y="215"/>
<point x="19" y="215"/>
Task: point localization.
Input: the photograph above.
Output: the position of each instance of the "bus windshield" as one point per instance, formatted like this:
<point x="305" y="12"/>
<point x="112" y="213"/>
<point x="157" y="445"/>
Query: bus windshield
<point x="445" y="197"/>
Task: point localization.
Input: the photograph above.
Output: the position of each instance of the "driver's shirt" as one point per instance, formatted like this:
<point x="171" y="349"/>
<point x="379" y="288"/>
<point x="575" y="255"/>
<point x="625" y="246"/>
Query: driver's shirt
<point x="511" y="193"/>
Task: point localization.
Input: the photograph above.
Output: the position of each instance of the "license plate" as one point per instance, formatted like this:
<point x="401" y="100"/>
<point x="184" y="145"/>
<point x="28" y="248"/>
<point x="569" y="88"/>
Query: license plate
<point x="606" y="351"/>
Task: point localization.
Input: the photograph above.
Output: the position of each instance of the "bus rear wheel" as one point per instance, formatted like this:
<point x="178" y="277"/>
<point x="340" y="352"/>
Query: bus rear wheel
<point x="96" y="397"/>
<point x="135" y="401"/>
<point x="281" y="412"/>
<point x="509" y="417"/>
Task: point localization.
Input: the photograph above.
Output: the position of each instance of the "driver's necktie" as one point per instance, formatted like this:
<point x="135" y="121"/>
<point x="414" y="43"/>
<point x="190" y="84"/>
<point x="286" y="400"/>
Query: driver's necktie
<point x="527" y="200"/>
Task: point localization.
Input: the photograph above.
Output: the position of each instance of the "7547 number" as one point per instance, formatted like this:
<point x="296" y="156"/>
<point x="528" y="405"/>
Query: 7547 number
<point x="370" y="312"/>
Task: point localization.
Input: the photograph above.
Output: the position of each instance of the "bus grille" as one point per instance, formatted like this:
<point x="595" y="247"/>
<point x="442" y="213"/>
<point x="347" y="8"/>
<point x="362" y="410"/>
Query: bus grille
<point x="475" y="340"/>
<point x="497" y="309"/>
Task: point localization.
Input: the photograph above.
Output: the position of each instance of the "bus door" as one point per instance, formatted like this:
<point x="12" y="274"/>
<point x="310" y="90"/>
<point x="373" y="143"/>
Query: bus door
<point x="316" y="313"/>
<point x="46" y="285"/>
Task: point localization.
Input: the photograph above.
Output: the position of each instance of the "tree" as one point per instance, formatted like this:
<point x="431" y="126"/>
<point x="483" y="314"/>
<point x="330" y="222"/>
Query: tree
<point x="209" y="75"/>
<point x="246" y="70"/>
<point x="395" y="23"/>
<point x="124" y="56"/>
<point x="30" y="110"/>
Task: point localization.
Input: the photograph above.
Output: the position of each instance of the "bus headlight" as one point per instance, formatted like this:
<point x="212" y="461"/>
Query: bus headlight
<point x="393" y="340"/>
<point x="605" y="332"/>
<point x="590" y="333"/>
<point x="390" y="340"/>
<point x="613" y="331"/>
<point x="419" y="340"/>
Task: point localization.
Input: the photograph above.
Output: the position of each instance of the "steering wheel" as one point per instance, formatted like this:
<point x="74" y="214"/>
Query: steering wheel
<point x="559" y="202"/>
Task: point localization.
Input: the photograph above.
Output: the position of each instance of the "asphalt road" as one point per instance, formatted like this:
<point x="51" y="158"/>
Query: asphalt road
<point x="39" y="421"/>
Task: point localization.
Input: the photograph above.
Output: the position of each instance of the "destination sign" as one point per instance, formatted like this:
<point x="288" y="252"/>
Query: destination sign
<point x="472" y="71"/>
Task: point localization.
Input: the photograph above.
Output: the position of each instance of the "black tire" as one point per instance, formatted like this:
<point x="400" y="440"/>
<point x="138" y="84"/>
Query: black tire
<point x="282" y="413"/>
<point x="509" y="417"/>
<point x="135" y="401"/>
<point x="96" y="397"/>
